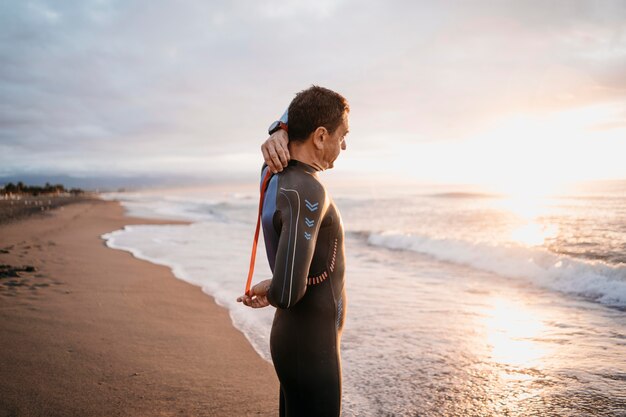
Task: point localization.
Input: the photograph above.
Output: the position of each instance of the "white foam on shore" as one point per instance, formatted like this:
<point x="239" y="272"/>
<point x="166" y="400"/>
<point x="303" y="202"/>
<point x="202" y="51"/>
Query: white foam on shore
<point x="594" y="280"/>
<point x="219" y="270"/>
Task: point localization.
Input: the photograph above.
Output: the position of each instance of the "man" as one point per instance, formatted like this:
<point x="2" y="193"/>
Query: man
<point x="304" y="243"/>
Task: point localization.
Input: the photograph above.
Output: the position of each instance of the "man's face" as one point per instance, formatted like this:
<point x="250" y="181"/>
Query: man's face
<point x="336" y="142"/>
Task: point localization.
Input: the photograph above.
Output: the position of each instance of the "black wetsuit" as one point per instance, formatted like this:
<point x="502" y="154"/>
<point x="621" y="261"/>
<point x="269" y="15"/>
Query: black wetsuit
<point x="304" y="242"/>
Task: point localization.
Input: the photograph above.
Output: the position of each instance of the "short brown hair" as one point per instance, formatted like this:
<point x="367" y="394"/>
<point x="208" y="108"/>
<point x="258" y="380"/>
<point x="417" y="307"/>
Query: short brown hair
<point x="315" y="107"/>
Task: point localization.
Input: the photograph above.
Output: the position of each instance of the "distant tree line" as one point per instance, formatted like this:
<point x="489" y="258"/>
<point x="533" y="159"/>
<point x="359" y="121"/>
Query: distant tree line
<point x="21" y="188"/>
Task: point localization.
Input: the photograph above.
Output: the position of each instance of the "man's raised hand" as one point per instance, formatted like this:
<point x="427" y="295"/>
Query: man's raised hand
<point x="275" y="151"/>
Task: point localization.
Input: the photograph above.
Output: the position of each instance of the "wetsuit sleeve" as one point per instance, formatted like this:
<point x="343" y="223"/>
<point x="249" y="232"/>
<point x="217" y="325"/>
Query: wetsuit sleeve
<point x="285" y="117"/>
<point x="301" y="210"/>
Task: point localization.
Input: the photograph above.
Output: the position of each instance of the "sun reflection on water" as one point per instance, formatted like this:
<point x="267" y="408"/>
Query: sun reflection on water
<point x="527" y="225"/>
<point x="534" y="234"/>
<point x="527" y="207"/>
<point x="511" y="329"/>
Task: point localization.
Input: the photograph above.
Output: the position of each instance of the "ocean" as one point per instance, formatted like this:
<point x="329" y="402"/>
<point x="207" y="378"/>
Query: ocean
<point x="461" y="302"/>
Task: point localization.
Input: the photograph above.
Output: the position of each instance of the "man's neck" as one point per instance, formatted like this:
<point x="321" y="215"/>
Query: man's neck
<point x="306" y="154"/>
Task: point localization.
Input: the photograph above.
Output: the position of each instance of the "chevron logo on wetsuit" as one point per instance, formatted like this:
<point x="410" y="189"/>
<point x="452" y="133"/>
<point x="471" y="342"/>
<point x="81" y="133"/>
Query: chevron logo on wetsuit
<point x="309" y="222"/>
<point x="311" y="206"/>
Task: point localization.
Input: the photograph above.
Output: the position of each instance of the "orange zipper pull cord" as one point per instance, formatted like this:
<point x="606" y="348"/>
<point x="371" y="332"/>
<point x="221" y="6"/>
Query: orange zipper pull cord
<point x="266" y="180"/>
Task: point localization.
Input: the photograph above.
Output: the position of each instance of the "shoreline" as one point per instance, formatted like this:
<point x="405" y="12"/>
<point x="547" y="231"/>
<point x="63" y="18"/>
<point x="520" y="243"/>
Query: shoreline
<point x="89" y="330"/>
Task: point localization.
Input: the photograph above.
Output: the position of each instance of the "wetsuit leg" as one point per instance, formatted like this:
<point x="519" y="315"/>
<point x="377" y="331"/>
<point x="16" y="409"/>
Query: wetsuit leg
<point x="305" y="350"/>
<point x="282" y="412"/>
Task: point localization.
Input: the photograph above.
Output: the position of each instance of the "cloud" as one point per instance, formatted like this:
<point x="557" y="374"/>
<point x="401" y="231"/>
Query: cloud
<point x="101" y="85"/>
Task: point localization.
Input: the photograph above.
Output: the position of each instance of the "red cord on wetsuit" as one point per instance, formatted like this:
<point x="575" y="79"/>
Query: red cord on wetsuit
<point x="266" y="179"/>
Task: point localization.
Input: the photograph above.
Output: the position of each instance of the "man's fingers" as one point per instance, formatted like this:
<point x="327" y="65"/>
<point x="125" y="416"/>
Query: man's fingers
<point x="276" y="165"/>
<point x="270" y="157"/>
<point x="251" y="301"/>
<point x="283" y="145"/>
<point x="247" y="300"/>
<point x="266" y="154"/>
<point x="288" y="156"/>
<point x="259" y="302"/>
<point x="276" y="151"/>
<point x="254" y="301"/>
<point x="283" y="155"/>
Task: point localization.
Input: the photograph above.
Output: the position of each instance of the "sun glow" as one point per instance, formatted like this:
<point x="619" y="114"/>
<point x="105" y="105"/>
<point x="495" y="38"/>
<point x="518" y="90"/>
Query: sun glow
<point x="534" y="234"/>
<point x="536" y="155"/>
<point x="511" y="328"/>
<point x="527" y="207"/>
<point x="524" y="155"/>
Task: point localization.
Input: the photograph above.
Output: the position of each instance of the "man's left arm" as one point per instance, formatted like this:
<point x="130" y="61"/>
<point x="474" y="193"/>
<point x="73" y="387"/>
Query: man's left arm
<point x="275" y="149"/>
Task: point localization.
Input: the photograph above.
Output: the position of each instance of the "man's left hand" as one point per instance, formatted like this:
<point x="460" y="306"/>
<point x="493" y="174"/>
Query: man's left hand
<point x="276" y="151"/>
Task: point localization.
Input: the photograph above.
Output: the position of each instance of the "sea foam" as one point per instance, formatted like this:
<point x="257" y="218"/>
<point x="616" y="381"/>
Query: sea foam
<point x="211" y="255"/>
<point x="591" y="279"/>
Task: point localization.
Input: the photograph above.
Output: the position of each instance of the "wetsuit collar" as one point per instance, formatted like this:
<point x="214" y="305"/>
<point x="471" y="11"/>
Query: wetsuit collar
<point x="308" y="168"/>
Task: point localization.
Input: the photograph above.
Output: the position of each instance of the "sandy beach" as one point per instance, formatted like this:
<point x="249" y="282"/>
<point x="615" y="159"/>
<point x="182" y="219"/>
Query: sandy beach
<point x="90" y="331"/>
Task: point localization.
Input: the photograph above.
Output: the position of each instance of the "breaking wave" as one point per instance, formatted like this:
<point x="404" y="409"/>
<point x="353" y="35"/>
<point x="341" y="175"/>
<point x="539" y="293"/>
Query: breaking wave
<point x="595" y="280"/>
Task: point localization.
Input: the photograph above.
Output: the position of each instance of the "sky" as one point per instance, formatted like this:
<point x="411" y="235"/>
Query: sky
<point x="499" y="92"/>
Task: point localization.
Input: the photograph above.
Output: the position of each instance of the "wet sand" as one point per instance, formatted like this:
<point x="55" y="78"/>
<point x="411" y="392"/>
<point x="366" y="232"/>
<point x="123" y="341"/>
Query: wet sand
<point x="90" y="331"/>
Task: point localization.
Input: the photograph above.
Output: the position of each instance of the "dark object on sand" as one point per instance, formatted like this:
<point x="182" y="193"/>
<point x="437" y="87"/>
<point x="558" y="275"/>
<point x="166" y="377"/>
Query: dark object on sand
<point x="8" y="271"/>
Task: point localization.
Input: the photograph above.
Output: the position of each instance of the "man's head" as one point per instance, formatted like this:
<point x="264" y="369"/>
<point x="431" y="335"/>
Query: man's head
<point x="319" y="115"/>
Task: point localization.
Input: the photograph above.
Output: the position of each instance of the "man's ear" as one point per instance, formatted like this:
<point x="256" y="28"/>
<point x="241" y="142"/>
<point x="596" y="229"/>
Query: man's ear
<point x="319" y="136"/>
